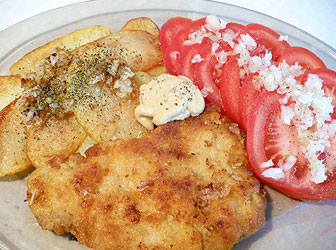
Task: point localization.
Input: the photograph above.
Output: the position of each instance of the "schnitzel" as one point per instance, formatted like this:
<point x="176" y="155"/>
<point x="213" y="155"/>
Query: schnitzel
<point x="186" y="185"/>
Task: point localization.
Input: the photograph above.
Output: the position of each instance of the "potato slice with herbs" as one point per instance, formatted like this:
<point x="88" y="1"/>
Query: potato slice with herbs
<point x="142" y="23"/>
<point x="105" y="116"/>
<point x="31" y="62"/>
<point x="53" y="142"/>
<point x="140" y="49"/>
<point x="10" y="89"/>
<point x="13" y="156"/>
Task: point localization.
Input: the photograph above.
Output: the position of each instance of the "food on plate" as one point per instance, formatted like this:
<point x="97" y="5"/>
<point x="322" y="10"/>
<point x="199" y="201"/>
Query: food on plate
<point x="73" y="89"/>
<point x="168" y="98"/>
<point x="284" y="97"/>
<point x="185" y="185"/>
<point x="10" y="89"/>
<point x="31" y="62"/>
<point x="70" y="111"/>
<point x="13" y="153"/>
<point x="142" y="23"/>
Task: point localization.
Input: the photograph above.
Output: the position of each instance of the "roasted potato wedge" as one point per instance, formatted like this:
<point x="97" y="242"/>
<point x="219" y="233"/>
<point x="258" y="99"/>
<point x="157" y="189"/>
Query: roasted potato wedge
<point x="142" y="23"/>
<point x="10" y="89"/>
<point x="54" y="141"/>
<point x="13" y="156"/>
<point x="30" y="62"/>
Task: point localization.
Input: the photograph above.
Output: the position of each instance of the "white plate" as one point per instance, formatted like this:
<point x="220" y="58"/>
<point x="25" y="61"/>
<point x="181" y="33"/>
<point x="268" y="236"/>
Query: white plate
<point x="290" y="224"/>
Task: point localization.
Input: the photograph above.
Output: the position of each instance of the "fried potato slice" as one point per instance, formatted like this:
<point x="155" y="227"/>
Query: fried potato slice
<point x="106" y="116"/>
<point x="10" y="89"/>
<point x="141" y="77"/>
<point x="13" y="156"/>
<point x="142" y="23"/>
<point x="54" y="141"/>
<point x="140" y="49"/>
<point x="157" y="70"/>
<point x="30" y="62"/>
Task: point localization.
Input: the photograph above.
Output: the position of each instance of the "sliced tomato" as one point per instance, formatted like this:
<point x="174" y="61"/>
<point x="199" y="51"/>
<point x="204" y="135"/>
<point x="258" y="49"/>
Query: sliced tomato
<point x="269" y="138"/>
<point x="235" y="27"/>
<point x="176" y="46"/>
<point x="266" y="38"/>
<point x="170" y="29"/>
<point x="329" y="83"/>
<point x="302" y="56"/>
<point x="229" y="88"/>
<point x="183" y="35"/>
<point x="207" y="75"/>
<point x="185" y="65"/>
<point x="247" y="96"/>
<point x="170" y="60"/>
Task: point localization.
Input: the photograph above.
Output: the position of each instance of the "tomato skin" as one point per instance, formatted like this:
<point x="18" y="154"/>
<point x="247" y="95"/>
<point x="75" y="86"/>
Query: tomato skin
<point x="170" y="29"/>
<point x="229" y="88"/>
<point x="267" y="38"/>
<point x="267" y="107"/>
<point x="303" y="56"/>
<point x="235" y="27"/>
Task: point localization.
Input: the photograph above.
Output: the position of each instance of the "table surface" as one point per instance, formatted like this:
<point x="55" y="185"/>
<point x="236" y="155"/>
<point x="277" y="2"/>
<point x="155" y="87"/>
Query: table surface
<point x="316" y="17"/>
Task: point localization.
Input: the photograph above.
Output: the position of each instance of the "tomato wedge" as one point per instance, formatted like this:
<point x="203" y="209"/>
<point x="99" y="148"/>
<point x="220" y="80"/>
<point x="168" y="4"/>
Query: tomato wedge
<point x="269" y="138"/>
<point x="267" y="38"/>
<point x="303" y="56"/>
<point x="169" y="30"/>
<point x="229" y="88"/>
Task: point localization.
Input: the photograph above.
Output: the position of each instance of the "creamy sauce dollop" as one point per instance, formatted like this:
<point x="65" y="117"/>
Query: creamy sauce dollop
<point x="168" y="98"/>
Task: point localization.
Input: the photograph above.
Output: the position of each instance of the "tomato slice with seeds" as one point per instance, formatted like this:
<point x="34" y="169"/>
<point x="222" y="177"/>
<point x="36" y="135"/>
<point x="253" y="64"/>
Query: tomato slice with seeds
<point x="267" y="38"/>
<point x="302" y="56"/>
<point x="269" y="138"/>
<point x="170" y="29"/>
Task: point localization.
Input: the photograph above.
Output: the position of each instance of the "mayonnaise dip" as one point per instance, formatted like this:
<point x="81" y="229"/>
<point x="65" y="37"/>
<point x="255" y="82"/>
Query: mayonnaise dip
<point x="168" y="98"/>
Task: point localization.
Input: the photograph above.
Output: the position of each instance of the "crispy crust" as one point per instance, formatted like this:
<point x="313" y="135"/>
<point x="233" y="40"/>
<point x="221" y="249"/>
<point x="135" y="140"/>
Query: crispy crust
<point x="186" y="185"/>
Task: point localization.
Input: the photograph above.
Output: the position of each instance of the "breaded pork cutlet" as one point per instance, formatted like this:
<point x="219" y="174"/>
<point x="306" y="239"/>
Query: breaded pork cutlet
<point x="186" y="185"/>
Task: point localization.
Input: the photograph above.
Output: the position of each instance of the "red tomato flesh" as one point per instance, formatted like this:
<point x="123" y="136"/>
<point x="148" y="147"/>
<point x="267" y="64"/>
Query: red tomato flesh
<point x="207" y="76"/>
<point x="269" y="138"/>
<point x="300" y="55"/>
<point x="229" y="88"/>
<point x="329" y="83"/>
<point x="169" y="30"/>
<point x="247" y="96"/>
<point x="267" y="38"/>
